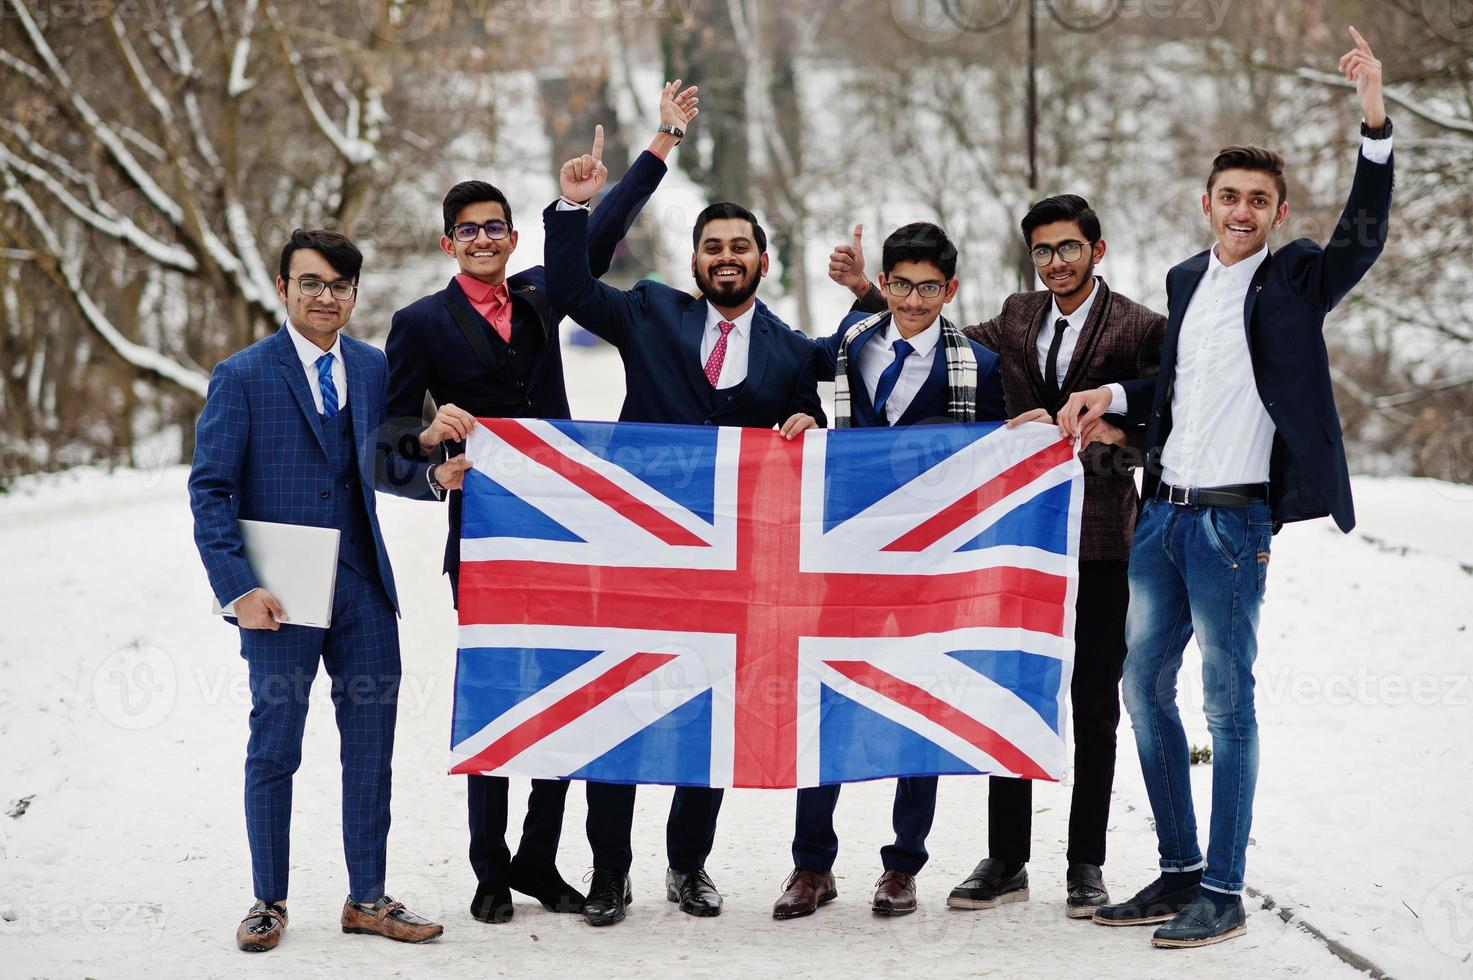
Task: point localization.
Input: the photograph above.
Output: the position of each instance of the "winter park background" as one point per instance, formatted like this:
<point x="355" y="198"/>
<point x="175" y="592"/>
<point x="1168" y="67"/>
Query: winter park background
<point x="153" y="156"/>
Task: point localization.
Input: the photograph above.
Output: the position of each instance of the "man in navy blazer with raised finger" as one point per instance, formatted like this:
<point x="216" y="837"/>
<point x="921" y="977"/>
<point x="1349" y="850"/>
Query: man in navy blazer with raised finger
<point x="719" y="357"/>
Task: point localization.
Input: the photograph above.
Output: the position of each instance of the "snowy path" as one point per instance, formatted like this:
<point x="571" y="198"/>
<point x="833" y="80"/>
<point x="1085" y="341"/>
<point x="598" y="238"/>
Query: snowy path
<point x="123" y="713"/>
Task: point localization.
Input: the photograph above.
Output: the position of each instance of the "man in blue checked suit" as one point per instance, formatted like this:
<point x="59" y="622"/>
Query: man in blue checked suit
<point x="290" y="434"/>
<point x="906" y="366"/>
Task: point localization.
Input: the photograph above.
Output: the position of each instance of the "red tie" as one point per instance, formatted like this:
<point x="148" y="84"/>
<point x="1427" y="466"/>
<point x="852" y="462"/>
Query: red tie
<point x="499" y="303"/>
<point x="718" y="354"/>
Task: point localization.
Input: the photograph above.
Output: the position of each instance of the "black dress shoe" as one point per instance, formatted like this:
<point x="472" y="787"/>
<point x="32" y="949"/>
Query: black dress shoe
<point x="990" y="886"/>
<point x="1157" y="902"/>
<point x="1086" y="891"/>
<point x="694" y="890"/>
<point x="1203" y="923"/>
<point x="608" y="894"/>
<point x="262" y="927"/>
<point x="547" y="886"/>
<point x="492" y="902"/>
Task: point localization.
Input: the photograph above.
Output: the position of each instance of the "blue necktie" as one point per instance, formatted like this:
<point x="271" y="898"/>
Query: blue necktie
<point x="329" y="390"/>
<point x="890" y="375"/>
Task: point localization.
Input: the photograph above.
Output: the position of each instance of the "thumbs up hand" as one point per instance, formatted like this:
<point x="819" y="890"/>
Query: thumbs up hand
<point x="846" y="264"/>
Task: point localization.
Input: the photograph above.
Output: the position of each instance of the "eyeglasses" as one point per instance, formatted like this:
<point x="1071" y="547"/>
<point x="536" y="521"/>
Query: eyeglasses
<point x="1068" y="251"/>
<point x="341" y="289"/>
<point x="900" y="288"/>
<point x="495" y="229"/>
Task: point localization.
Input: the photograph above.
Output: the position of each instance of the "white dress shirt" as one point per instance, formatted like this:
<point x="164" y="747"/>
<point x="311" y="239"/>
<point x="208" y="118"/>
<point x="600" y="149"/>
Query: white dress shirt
<point x="738" y="341"/>
<point x="1221" y="434"/>
<point x="879" y="353"/>
<point x="309" y="353"/>
<point x="1075" y="321"/>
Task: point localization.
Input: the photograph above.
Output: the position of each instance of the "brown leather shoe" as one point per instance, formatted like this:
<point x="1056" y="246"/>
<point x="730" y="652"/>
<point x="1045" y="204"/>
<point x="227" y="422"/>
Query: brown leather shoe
<point x="803" y="893"/>
<point x="895" y="894"/>
<point x="262" y="927"/>
<point x="389" y="919"/>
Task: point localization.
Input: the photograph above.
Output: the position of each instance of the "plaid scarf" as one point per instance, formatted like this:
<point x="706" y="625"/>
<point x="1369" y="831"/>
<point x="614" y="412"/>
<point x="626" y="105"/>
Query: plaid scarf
<point x="961" y="373"/>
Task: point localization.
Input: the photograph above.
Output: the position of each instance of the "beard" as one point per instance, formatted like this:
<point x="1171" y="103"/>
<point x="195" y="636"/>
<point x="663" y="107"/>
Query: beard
<point x="727" y="292"/>
<point x="1085" y="277"/>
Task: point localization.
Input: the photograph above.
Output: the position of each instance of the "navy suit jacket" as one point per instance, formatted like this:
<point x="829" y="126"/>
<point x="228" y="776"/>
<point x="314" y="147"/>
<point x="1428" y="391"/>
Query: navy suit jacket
<point x="1284" y="316"/>
<point x="429" y="353"/>
<point x="657" y="331"/>
<point x="931" y="403"/>
<point x="260" y="454"/>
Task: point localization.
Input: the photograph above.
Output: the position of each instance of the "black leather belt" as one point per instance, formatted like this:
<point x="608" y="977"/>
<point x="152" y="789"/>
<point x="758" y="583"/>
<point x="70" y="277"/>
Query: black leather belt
<point x="1238" y="495"/>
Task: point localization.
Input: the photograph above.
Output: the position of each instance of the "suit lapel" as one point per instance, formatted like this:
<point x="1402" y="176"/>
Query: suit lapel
<point x="296" y="380"/>
<point x="1029" y="353"/>
<point x="1089" y="335"/>
<point x="360" y="400"/>
<point x="759" y="340"/>
<point x="859" y="392"/>
<point x="1260" y="275"/>
<point x="692" y="326"/>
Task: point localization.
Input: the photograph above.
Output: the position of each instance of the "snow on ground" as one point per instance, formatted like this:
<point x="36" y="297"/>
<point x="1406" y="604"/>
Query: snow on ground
<point x="123" y="719"/>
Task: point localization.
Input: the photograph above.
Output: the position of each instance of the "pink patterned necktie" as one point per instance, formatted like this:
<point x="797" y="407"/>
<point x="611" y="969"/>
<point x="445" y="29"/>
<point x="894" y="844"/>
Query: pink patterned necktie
<point x="718" y="354"/>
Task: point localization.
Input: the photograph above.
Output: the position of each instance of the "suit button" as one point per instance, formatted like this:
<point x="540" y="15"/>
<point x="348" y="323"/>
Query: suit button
<point x="709" y="422"/>
<point x="324" y="494"/>
<point x="511" y="351"/>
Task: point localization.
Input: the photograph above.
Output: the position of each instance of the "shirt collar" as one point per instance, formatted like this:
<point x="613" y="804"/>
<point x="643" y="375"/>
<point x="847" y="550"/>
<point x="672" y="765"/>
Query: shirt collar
<point x="1240" y="273"/>
<point x="742" y="324"/>
<point x="310" y="352"/>
<point x="479" y="292"/>
<point x="1079" y="317"/>
<point x="922" y="343"/>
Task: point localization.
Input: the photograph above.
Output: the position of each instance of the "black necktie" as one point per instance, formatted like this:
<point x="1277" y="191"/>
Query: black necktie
<point x="1051" y="369"/>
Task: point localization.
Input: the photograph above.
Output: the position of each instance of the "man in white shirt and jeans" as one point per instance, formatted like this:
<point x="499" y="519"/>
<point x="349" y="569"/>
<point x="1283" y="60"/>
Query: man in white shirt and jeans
<point x="1243" y="436"/>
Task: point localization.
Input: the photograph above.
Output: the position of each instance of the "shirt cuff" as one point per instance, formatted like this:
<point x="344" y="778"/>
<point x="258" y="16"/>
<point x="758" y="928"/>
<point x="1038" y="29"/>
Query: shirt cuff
<point x="563" y="204"/>
<point x="439" y="494"/>
<point x="1117" y="399"/>
<point x="240" y="597"/>
<point x="1376" y="151"/>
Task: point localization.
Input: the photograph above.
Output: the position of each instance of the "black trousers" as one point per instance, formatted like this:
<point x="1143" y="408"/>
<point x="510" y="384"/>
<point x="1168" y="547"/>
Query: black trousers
<point x="486" y="803"/>
<point x="689" y="833"/>
<point x="1099" y="654"/>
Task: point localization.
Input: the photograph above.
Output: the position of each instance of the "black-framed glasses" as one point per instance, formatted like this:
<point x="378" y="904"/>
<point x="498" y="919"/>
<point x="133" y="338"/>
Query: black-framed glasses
<point x="311" y="286"/>
<point x="495" y="229"/>
<point x="1068" y="251"/>
<point x="900" y="288"/>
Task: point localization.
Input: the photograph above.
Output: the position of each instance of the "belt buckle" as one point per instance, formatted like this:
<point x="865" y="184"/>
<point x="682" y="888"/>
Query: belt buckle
<point x="1171" y="495"/>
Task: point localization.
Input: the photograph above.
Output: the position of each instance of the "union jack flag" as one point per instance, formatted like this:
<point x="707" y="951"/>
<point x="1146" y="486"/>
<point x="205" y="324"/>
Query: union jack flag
<point x="722" y="607"/>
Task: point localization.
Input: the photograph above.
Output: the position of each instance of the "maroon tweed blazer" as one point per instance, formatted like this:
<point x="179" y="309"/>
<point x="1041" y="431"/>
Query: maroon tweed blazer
<point x="1120" y="341"/>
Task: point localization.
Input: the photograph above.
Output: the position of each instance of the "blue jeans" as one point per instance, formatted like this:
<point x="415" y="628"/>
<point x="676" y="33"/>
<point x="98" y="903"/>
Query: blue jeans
<point x="1197" y="570"/>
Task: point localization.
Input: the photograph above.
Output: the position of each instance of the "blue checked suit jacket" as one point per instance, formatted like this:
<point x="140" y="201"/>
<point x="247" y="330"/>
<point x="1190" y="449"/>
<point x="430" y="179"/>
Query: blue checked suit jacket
<point x="260" y="455"/>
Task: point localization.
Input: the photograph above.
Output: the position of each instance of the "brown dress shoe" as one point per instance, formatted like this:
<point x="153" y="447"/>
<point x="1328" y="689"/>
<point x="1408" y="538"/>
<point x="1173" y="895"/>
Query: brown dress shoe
<point x="895" y="894"/>
<point x="803" y="893"/>
<point x="389" y="919"/>
<point x="262" y="927"/>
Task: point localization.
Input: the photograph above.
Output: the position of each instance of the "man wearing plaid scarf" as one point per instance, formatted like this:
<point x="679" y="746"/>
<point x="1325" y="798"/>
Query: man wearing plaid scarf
<point x="906" y="366"/>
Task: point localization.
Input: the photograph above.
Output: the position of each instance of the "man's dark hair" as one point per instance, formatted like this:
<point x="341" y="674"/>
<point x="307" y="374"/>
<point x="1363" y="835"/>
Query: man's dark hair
<point x="1062" y="207"/>
<point x="469" y="192"/>
<point x="919" y="241"/>
<point x="726" y="209"/>
<point x="1250" y="158"/>
<point x="340" y="253"/>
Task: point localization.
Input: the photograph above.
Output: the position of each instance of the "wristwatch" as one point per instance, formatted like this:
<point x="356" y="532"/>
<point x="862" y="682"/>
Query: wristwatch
<point x="679" y="134"/>
<point x="1376" y="134"/>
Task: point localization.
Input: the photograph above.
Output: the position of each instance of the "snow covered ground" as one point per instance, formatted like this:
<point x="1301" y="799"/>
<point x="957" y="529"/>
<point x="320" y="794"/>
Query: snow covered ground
<point x="123" y="722"/>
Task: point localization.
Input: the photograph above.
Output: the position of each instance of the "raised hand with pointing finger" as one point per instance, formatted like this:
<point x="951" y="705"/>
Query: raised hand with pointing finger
<point x="1363" y="68"/>
<point x="584" y="176"/>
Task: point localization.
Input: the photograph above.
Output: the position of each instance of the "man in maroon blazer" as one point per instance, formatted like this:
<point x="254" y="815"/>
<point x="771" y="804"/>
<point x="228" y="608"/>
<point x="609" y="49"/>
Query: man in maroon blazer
<point x="1073" y="335"/>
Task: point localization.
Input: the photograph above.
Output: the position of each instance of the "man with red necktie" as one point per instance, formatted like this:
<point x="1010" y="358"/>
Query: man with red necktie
<point x="487" y="346"/>
<point x="719" y="357"/>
